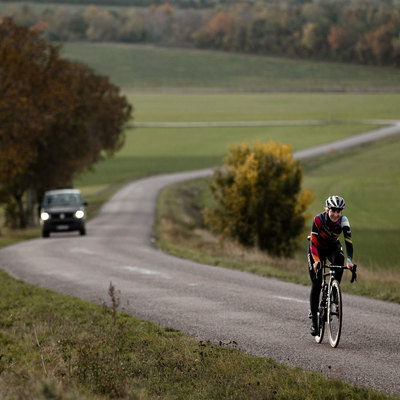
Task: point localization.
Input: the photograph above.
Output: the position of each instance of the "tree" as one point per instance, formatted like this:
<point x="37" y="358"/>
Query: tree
<point x="396" y="50"/>
<point x="160" y="23"/>
<point x="57" y="117"/>
<point x="381" y="42"/>
<point x="337" y="37"/>
<point x="258" y="196"/>
<point x="310" y="37"/>
<point x="102" y="24"/>
<point x="218" y="32"/>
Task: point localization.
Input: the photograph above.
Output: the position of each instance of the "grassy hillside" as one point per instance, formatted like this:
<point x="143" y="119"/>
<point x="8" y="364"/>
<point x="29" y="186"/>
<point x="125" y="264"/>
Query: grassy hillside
<point x="369" y="178"/>
<point x="159" y="150"/>
<point x="131" y="66"/>
<point x="233" y="106"/>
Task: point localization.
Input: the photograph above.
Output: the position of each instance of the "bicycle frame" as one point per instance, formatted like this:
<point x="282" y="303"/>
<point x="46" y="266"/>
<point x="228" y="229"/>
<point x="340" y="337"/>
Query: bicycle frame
<point x="330" y="309"/>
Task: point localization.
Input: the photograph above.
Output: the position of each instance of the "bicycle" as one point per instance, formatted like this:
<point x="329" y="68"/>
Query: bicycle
<point x="330" y="308"/>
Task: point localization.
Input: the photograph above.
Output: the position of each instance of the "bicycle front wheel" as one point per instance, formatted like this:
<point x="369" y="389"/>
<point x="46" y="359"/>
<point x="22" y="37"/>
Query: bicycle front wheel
<point x="335" y="313"/>
<point x="321" y="316"/>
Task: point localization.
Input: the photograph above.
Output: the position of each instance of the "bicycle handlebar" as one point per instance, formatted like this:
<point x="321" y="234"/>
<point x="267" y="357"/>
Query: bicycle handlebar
<point x="353" y="270"/>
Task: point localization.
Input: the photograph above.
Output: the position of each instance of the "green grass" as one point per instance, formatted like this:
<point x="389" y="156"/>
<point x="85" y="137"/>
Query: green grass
<point x="369" y="178"/>
<point x="135" y="66"/>
<point x="157" y="150"/>
<point x="11" y="236"/>
<point x="369" y="175"/>
<point x="330" y="107"/>
<point x="56" y="347"/>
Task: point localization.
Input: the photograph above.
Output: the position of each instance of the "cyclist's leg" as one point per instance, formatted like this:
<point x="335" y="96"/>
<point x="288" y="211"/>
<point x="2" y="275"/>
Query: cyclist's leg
<point x="336" y="257"/>
<point x="316" y="281"/>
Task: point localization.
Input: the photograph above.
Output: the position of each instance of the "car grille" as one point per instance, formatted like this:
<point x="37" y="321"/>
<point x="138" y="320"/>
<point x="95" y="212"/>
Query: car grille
<point x="62" y="216"/>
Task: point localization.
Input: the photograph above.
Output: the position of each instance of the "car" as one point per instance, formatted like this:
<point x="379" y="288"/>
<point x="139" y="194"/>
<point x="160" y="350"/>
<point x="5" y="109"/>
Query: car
<point x="63" y="210"/>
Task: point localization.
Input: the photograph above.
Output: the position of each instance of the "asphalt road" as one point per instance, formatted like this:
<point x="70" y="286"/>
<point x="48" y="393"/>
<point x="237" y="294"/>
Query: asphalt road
<point x="265" y="317"/>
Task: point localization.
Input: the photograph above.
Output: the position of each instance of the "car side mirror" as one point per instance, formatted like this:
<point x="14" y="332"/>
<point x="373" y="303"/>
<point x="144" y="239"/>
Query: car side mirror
<point x="85" y="203"/>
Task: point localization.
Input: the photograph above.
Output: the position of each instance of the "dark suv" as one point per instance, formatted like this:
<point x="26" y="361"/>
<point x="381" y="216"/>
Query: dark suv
<point x="63" y="210"/>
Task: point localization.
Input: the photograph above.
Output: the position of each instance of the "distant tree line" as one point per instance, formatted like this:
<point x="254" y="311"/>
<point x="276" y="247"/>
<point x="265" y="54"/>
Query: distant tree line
<point x="130" y="3"/>
<point x="366" y="32"/>
<point x="147" y="3"/>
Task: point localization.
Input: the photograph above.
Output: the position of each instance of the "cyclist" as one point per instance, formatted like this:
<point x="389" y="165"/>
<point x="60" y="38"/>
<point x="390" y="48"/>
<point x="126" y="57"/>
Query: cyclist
<point x="324" y="243"/>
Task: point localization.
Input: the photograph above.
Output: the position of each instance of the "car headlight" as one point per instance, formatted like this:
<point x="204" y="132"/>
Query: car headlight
<point x="79" y="214"/>
<point x="44" y="216"/>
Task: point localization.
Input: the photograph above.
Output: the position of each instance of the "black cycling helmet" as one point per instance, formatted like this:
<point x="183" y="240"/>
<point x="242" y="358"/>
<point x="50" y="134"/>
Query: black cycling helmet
<point x="335" y="202"/>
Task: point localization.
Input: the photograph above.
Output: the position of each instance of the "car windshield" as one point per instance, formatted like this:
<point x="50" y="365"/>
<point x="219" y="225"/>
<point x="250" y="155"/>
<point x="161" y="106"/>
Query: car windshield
<point x="62" y="199"/>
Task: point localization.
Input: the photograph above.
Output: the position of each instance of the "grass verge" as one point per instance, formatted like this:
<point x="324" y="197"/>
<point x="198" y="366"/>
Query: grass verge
<point x="57" y="347"/>
<point x="11" y="236"/>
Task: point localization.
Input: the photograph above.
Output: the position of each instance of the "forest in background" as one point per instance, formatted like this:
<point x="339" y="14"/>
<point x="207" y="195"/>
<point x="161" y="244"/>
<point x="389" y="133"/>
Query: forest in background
<point x="178" y="3"/>
<point x="355" y="31"/>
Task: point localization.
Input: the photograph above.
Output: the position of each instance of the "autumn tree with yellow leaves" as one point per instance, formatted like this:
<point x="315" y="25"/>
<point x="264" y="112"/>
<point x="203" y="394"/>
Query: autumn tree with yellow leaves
<point x="259" y="199"/>
<point x="57" y="118"/>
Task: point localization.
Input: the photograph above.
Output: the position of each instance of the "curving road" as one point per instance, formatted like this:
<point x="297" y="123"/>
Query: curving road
<point x="265" y="317"/>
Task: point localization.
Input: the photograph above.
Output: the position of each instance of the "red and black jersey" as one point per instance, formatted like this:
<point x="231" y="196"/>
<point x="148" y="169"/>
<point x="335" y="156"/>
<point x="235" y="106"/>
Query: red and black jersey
<point x="325" y="235"/>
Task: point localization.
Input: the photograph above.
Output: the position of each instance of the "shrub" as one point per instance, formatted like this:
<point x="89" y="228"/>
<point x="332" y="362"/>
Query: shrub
<point x="259" y="201"/>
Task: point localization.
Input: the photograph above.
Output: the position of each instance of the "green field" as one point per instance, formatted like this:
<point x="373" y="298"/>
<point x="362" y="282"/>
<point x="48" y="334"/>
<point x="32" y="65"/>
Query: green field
<point x="369" y="178"/>
<point x="204" y="93"/>
<point x="157" y="150"/>
<point x="209" y="107"/>
<point x="135" y="67"/>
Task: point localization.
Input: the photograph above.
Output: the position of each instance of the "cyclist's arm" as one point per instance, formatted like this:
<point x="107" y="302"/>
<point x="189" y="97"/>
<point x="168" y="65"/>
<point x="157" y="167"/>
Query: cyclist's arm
<point x="314" y="239"/>
<point x="348" y="241"/>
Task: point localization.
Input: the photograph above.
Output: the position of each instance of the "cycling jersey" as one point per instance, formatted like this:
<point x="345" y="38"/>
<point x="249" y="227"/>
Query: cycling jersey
<point x="325" y="235"/>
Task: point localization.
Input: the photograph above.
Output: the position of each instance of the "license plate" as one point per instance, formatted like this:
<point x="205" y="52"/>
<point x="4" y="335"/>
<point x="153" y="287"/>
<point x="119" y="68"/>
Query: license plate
<point x="62" y="227"/>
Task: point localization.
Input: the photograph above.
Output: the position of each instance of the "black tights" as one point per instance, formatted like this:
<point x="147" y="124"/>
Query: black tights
<point x="336" y="257"/>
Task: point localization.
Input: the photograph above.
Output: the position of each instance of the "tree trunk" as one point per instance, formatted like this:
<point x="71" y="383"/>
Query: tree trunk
<point x="21" y="211"/>
<point x="30" y="207"/>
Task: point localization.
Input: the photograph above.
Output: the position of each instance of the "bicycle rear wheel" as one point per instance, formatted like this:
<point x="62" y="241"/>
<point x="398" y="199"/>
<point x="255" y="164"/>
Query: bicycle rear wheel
<point x="335" y="313"/>
<point x="321" y="318"/>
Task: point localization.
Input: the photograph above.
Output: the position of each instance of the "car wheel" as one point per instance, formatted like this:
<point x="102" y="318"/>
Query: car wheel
<point x="82" y="231"/>
<point x="45" y="233"/>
